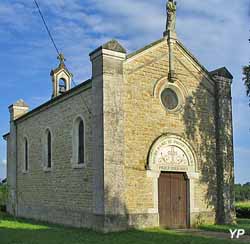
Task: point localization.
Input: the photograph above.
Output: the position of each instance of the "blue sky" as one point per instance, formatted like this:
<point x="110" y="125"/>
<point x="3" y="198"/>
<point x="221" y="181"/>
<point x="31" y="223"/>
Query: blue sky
<point x="215" y="31"/>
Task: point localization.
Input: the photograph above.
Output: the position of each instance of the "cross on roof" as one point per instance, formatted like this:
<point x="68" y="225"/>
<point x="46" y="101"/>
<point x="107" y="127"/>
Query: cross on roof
<point x="61" y="58"/>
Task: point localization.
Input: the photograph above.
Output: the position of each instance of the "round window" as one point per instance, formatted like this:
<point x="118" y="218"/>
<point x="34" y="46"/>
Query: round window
<point x="169" y="99"/>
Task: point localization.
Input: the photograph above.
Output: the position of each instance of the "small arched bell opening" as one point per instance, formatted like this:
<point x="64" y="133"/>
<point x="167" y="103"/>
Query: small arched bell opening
<point x="62" y="86"/>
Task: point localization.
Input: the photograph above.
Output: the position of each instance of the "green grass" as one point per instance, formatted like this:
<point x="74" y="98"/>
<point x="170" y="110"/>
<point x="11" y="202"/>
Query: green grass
<point x="243" y="204"/>
<point x="18" y="231"/>
<point x="241" y="224"/>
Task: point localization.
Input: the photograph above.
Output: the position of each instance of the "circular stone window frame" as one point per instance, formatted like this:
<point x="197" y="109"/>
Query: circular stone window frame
<point x="177" y="87"/>
<point x="168" y="94"/>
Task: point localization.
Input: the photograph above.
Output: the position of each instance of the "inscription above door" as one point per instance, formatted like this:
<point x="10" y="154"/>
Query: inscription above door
<point x="170" y="153"/>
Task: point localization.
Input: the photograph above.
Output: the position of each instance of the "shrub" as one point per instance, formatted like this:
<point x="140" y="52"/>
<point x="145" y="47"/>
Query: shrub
<point x="243" y="210"/>
<point x="3" y="197"/>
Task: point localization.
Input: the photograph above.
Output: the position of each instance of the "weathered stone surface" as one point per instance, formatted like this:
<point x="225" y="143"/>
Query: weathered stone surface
<point x="116" y="189"/>
<point x="112" y="45"/>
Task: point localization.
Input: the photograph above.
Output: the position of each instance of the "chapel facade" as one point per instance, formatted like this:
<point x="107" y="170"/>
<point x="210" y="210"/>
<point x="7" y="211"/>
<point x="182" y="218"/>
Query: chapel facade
<point x="146" y="142"/>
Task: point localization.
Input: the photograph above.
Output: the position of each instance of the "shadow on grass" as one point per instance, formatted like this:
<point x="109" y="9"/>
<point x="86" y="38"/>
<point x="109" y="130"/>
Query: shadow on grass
<point x="244" y="222"/>
<point x="241" y="224"/>
<point x="29" y="232"/>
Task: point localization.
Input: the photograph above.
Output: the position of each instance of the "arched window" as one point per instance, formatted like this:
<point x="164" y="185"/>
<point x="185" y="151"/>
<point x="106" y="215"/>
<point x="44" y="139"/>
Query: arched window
<point x="49" y="149"/>
<point x="26" y="155"/>
<point x="81" y="142"/>
<point x="78" y="143"/>
<point x="62" y="86"/>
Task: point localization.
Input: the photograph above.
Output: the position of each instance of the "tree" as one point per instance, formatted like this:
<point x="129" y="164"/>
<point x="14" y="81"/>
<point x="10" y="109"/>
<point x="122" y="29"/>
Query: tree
<point x="242" y="192"/>
<point x="246" y="78"/>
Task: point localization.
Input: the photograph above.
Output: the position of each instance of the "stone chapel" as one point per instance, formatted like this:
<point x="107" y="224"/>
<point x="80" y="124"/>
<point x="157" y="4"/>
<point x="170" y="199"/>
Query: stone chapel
<point x="146" y="142"/>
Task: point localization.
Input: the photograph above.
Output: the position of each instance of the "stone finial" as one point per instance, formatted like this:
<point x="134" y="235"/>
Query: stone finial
<point x="112" y="45"/>
<point x="18" y="109"/>
<point x="20" y="103"/>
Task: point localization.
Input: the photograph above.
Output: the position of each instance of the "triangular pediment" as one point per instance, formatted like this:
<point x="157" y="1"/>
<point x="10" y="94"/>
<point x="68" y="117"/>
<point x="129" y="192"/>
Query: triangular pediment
<point x="189" y="57"/>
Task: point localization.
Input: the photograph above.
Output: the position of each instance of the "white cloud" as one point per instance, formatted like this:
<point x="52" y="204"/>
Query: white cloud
<point x="4" y="161"/>
<point x="215" y="31"/>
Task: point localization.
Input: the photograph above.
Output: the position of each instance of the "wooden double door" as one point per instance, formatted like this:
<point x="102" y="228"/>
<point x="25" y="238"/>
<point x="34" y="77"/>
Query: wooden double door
<point x="173" y="203"/>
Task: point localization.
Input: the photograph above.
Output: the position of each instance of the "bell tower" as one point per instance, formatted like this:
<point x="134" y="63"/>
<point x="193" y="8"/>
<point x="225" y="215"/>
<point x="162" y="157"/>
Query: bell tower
<point x="61" y="78"/>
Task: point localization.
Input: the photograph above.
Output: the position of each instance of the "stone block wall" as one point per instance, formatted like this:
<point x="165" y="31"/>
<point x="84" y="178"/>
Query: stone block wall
<point x="115" y="189"/>
<point x="64" y="194"/>
<point x="145" y="119"/>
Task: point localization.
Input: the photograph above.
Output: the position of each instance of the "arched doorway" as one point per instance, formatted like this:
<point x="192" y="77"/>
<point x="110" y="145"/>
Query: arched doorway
<point x="172" y="165"/>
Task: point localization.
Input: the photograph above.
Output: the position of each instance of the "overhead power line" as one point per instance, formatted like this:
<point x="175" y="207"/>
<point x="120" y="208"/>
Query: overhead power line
<point x="57" y="50"/>
<point x="46" y="26"/>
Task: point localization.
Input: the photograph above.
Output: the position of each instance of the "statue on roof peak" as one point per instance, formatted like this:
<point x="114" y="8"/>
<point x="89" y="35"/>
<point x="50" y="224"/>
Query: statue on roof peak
<point x="171" y="15"/>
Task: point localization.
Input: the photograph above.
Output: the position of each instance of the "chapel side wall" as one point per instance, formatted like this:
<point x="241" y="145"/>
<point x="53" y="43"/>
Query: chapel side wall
<point x="145" y="120"/>
<point x="65" y="194"/>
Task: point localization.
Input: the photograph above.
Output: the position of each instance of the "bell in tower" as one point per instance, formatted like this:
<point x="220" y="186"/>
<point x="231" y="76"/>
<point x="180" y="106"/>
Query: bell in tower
<point x="61" y="78"/>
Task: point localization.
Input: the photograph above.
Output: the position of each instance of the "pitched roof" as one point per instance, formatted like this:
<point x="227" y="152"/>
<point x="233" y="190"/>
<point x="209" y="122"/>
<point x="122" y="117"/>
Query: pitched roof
<point x="61" y="66"/>
<point x="6" y="136"/>
<point x="58" y="98"/>
<point x="144" y="48"/>
<point x="4" y="181"/>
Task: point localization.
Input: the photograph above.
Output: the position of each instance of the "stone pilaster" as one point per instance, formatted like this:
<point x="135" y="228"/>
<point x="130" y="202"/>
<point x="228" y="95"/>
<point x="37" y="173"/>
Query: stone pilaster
<point x="107" y="85"/>
<point x="225" y="157"/>
<point x="16" y="111"/>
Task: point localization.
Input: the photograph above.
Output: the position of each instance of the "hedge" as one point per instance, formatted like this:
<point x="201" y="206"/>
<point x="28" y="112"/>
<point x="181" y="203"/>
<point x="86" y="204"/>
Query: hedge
<point x="243" y="210"/>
